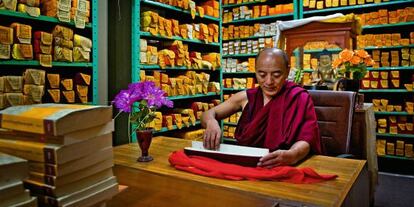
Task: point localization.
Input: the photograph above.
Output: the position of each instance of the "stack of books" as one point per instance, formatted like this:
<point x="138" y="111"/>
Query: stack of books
<point x="13" y="171"/>
<point x="69" y="148"/>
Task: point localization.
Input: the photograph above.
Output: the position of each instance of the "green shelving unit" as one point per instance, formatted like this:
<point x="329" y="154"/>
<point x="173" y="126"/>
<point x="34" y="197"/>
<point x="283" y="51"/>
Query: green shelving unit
<point x="393" y="113"/>
<point x="165" y="129"/>
<point x="385" y="91"/>
<point x="226" y="6"/>
<point x="318" y="51"/>
<point x="404" y="28"/>
<point x="149" y="35"/>
<point x="388" y="25"/>
<point x="176" y="9"/>
<point x="36" y="63"/>
<point x="157" y="67"/>
<point x="388" y="47"/>
<point x="233" y="89"/>
<point x="240" y="72"/>
<point x="253" y="20"/>
<point x="230" y="123"/>
<point x="41" y="18"/>
<point x="392" y="68"/>
<point x="308" y="70"/>
<point x="181" y="15"/>
<point x="396" y="157"/>
<point x="210" y="94"/>
<point x="248" y="38"/>
<point x="229" y="140"/>
<point x="341" y="9"/>
<point x="396" y="135"/>
<point x="240" y="55"/>
<point x="46" y="20"/>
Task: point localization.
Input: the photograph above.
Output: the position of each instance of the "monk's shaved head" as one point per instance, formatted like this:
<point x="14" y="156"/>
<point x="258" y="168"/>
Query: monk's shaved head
<point x="273" y="54"/>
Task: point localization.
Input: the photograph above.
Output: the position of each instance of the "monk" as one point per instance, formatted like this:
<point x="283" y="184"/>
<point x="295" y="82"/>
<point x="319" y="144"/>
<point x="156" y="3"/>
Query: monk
<point x="277" y="115"/>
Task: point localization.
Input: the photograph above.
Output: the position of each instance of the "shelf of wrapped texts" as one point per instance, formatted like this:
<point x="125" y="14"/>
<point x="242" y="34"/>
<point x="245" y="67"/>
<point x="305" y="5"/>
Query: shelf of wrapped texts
<point x="240" y="55"/>
<point x="392" y="68"/>
<point x="209" y="94"/>
<point x="388" y="25"/>
<point x="396" y="157"/>
<point x="160" y="5"/>
<point x="395" y="135"/>
<point x="354" y="7"/>
<point x="273" y="17"/>
<point x="385" y="91"/>
<point x="36" y="63"/>
<point x="248" y="38"/>
<point x="149" y="35"/>
<point x="92" y="26"/>
<point x="174" y="127"/>
<point x="388" y="47"/>
<point x="393" y="113"/>
<point x="4" y="12"/>
<point x="182" y="15"/>
<point x="226" y="6"/>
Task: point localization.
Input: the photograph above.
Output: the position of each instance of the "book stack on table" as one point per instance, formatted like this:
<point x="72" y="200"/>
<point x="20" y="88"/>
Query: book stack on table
<point x="68" y="148"/>
<point x="13" y="171"/>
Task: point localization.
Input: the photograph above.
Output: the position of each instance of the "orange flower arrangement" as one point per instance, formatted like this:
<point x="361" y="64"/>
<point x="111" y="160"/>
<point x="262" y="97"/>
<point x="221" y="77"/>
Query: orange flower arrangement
<point x="355" y="62"/>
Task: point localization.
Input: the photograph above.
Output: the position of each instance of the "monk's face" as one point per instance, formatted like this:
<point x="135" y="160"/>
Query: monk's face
<point x="271" y="73"/>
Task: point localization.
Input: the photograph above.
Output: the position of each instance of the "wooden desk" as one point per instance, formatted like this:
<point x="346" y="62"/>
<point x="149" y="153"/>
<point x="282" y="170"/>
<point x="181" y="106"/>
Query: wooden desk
<point x="158" y="184"/>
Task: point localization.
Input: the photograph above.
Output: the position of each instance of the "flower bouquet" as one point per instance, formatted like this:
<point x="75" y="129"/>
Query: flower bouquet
<point x="141" y="100"/>
<point x="354" y="63"/>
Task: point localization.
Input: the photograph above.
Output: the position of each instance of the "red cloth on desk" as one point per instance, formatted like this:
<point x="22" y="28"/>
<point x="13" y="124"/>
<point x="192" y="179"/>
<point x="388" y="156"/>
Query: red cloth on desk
<point x="287" y="118"/>
<point x="213" y="168"/>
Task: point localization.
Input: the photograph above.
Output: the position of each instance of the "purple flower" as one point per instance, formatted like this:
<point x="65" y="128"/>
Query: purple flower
<point x="124" y="100"/>
<point x="139" y="91"/>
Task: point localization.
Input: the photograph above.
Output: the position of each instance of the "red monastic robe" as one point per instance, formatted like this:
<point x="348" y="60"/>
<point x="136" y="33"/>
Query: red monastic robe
<point x="287" y="118"/>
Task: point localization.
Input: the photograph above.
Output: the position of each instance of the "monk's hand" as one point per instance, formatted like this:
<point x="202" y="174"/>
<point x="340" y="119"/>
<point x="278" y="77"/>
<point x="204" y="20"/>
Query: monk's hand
<point x="278" y="158"/>
<point x="212" y="135"/>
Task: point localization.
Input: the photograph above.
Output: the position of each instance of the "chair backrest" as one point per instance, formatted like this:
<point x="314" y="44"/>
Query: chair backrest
<point x="334" y="111"/>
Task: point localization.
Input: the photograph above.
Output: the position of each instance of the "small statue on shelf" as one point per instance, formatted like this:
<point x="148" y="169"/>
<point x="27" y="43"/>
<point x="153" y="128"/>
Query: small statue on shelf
<point x="324" y="75"/>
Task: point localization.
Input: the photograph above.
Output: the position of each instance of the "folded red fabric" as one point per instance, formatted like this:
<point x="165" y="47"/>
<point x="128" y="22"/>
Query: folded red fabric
<point x="213" y="168"/>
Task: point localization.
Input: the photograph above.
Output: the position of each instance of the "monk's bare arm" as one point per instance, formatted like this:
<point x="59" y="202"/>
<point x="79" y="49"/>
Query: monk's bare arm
<point x="297" y="152"/>
<point x="209" y="118"/>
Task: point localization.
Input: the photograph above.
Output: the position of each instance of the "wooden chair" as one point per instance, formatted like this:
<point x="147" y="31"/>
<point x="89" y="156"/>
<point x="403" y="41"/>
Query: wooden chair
<point x="334" y="111"/>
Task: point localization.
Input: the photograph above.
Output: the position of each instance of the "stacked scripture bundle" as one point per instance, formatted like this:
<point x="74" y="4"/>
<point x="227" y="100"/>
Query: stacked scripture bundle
<point x="22" y="47"/>
<point x="43" y="48"/>
<point x="63" y="44"/>
<point x="191" y="83"/>
<point x="13" y="171"/>
<point x="6" y="40"/>
<point x="31" y="7"/>
<point x="64" y="170"/>
<point x="22" y="90"/>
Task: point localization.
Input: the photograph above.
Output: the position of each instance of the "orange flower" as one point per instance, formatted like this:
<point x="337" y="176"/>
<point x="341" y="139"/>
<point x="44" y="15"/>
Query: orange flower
<point x="346" y="55"/>
<point x="362" y="53"/>
<point x="355" y="60"/>
<point x="336" y="63"/>
<point x="369" y="61"/>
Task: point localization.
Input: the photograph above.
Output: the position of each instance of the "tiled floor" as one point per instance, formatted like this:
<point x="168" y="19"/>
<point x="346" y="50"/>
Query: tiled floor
<point x="394" y="190"/>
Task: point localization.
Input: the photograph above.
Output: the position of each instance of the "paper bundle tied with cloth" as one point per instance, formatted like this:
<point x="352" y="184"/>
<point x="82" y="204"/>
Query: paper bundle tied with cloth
<point x="6" y="40"/>
<point x="82" y="48"/>
<point x="33" y="11"/>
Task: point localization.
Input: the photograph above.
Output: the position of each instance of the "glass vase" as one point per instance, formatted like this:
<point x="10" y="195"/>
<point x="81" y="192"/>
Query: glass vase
<point x="144" y="138"/>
